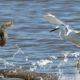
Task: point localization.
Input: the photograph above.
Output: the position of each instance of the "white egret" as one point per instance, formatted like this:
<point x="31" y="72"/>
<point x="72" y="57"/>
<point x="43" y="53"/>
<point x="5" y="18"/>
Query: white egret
<point x="65" y="31"/>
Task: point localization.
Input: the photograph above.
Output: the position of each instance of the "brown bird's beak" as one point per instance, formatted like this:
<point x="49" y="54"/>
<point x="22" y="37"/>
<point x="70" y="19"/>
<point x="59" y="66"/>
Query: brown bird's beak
<point x="7" y="23"/>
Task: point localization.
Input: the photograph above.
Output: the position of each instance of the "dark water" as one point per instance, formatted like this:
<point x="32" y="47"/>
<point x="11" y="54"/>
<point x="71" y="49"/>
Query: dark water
<point x="37" y="46"/>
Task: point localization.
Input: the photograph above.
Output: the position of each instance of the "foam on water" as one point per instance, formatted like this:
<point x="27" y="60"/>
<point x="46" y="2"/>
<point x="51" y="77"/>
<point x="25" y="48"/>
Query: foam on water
<point x="42" y="64"/>
<point x="6" y="63"/>
<point x="76" y="54"/>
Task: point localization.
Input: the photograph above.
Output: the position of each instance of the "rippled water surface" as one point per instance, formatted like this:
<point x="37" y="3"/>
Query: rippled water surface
<point x="31" y="45"/>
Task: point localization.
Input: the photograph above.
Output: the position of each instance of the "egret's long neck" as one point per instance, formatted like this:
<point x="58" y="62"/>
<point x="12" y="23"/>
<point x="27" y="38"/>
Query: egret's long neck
<point x="63" y="32"/>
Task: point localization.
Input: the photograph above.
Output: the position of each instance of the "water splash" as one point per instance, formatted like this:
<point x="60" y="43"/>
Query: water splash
<point x="19" y="56"/>
<point x="6" y="63"/>
<point x="60" y="74"/>
<point x="53" y="57"/>
<point x="33" y="68"/>
<point x="41" y="65"/>
<point x="43" y="62"/>
<point x="76" y="54"/>
<point x="66" y="56"/>
<point x="19" y="51"/>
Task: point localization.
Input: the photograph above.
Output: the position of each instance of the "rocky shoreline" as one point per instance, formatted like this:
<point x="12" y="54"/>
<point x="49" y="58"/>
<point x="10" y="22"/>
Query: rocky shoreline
<point x="25" y="74"/>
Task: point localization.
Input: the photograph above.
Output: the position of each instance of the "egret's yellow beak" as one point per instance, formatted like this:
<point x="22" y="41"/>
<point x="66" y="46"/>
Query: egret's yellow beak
<point x="54" y="29"/>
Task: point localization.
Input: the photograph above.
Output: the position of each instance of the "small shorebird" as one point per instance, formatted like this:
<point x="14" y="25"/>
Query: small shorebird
<point x="65" y="31"/>
<point x="3" y="34"/>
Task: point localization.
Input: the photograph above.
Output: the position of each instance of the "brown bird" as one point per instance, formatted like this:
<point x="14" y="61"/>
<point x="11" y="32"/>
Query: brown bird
<point x="3" y="34"/>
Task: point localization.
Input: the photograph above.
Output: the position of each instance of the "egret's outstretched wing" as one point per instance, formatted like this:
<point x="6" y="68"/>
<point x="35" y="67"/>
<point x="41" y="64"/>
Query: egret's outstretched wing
<point x="53" y="19"/>
<point x="74" y="37"/>
<point x="76" y="32"/>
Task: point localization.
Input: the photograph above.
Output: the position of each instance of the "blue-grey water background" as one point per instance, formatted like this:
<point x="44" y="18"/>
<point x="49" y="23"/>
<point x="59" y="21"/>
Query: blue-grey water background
<point x="30" y="44"/>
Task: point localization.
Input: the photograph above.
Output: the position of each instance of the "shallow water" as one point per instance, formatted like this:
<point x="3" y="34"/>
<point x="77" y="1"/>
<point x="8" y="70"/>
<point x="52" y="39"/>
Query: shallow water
<point x="31" y="45"/>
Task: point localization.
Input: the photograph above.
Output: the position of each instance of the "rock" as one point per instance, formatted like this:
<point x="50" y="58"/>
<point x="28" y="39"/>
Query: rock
<point x="25" y="74"/>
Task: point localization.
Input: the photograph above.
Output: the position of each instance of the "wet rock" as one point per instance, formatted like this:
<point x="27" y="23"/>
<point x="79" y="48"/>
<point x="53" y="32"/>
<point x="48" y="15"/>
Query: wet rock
<point x="25" y="74"/>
